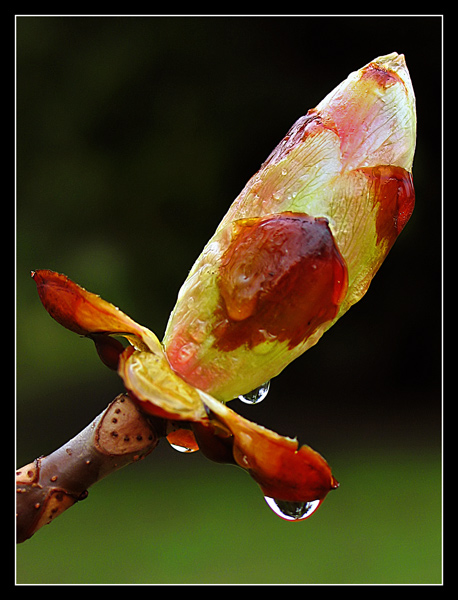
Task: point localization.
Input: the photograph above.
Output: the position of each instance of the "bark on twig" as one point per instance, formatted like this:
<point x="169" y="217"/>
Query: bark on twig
<point x="45" y="488"/>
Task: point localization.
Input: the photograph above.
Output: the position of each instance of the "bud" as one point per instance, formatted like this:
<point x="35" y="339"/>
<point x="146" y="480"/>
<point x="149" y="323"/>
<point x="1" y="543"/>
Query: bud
<point x="303" y="240"/>
<point x="297" y="248"/>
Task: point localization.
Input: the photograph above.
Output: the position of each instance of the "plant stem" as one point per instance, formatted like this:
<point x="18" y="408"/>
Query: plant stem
<point x="45" y="488"/>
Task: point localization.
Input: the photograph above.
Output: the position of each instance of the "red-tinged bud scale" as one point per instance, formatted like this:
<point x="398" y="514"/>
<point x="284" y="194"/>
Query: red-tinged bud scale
<point x="280" y="278"/>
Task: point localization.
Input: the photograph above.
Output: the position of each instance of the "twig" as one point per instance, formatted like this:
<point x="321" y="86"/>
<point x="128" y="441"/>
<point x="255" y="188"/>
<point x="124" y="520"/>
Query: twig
<point x="45" y="488"/>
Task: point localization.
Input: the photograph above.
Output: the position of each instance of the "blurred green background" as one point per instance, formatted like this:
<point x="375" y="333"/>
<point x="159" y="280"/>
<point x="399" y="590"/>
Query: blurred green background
<point x="134" y="135"/>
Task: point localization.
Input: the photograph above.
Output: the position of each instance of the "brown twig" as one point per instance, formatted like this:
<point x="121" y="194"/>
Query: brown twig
<point x="45" y="488"/>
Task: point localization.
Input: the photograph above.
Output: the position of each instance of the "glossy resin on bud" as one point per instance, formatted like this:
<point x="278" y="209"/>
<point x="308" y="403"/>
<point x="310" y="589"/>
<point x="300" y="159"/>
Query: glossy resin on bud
<point x="284" y="256"/>
<point x="303" y="240"/>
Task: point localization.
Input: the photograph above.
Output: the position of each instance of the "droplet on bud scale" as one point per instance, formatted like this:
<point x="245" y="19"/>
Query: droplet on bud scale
<point x="257" y="395"/>
<point x="292" y="511"/>
<point x="182" y="439"/>
<point x="183" y="449"/>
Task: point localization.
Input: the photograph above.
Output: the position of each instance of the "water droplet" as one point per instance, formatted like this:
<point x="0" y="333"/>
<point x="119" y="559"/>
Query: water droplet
<point x="199" y="330"/>
<point x="182" y="448"/>
<point x="292" y="511"/>
<point x="182" y="440"/>
<point x="257" y="395"/>
<point x="187" y="351"/>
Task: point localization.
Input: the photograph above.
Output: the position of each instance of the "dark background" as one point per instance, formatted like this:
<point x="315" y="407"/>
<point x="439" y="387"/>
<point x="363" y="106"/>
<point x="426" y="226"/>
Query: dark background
<point x="134" y="135"/>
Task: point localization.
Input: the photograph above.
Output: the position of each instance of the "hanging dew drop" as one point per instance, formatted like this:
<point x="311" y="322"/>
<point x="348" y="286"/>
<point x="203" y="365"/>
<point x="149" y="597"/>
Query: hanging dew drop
<point x="257" y="395"/>
<point x="292" y="511"/>
<point x="182" y="440"/>
<point x="183" y="449"/>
